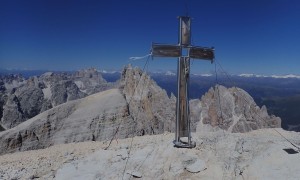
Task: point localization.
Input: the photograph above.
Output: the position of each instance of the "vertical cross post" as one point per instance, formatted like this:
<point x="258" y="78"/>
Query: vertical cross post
<point x="182" y="126"/>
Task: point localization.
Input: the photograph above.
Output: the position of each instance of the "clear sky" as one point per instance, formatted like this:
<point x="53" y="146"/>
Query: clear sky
<point x="254" y="36"/>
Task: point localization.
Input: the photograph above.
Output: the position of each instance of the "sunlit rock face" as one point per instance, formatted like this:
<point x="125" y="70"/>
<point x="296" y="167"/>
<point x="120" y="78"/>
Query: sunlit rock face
<point x="231" y="109"/>
<point x="148" y="103"/>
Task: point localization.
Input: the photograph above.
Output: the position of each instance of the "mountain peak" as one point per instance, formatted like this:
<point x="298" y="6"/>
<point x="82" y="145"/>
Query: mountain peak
<point x="234" y="110"/>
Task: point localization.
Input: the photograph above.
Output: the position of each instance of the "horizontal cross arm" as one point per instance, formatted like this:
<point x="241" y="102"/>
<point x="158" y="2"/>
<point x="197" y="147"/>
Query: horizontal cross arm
<point x="202" y="53"/>
<point x="166" y="50"/>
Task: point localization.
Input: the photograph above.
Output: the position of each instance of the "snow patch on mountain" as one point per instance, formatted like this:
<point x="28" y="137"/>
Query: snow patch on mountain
<point x="271" y="76"/>
<point x="286" y="76"/>
<point x="47" y="93"/>
<point x="170" y="73"/>
<point x="203" y="75"/>
<point x="251" y="75"/>
<point x="108" y="72"/>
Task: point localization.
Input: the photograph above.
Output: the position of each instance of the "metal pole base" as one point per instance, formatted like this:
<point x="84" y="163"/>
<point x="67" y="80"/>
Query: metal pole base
<point x="182" y="144"/>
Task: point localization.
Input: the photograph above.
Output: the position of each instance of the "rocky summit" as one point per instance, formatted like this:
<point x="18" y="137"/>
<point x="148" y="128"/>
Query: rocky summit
<point x="231" y="109"/>
<point x="149" y="105"/>
<point x="259" y="154"/>
<point x="63" y="109"/>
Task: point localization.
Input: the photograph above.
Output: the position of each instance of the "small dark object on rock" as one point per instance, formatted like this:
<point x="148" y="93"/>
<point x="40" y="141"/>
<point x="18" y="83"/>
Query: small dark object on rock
<point x="290" y="151"/>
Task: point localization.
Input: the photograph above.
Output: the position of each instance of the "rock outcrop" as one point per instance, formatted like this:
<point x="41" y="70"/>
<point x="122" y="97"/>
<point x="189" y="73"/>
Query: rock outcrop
<point x="232" y="109"/>
<point x="149" y="104"/>
<point x="90" y="81"/>
<point x="7" y="87"/>
<point x="11" y="81"/>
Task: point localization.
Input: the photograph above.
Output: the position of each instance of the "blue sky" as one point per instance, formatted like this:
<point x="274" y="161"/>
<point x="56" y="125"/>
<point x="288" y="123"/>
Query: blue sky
<point x="257" y="36"/>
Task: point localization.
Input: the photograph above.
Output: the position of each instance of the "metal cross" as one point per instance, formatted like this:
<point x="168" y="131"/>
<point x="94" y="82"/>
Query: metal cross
<point x="183" y="70"/>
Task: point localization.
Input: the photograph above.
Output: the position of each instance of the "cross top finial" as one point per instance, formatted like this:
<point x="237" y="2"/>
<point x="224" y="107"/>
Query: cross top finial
<point x="184" y="38"/>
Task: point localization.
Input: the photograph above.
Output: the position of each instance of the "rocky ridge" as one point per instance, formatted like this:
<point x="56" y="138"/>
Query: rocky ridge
<point x="231" y="109"/>
<point x="97" y="117"/>
<point x="22" y="99"/>
<point x="138" y="107"/>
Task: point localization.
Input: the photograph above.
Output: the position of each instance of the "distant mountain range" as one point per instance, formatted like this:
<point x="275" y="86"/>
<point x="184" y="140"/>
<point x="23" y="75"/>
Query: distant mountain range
<point x="28" y="73"/>
<point x="50" y="109"/>
<point x="280" y="93"/>
<point x="173" y="73"/>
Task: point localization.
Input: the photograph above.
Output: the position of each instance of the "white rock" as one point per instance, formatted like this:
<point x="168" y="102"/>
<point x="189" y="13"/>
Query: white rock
<point x="196" y="167"/>
<point x="154" y="157"/>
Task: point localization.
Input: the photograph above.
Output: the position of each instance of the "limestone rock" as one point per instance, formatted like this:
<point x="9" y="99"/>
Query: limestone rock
<point x="38" y="94"/>
<point x="90" y="81"/>
<point x="257" y="155"/>
<point x="196" y="167"/>
<point x="233" y="110"/>
<point x="64" y="91"/>
<point x="138" y="107"/>
<point x="11" y="112"/>
<point x="10" y="82"/>
<point x="149" y="104"/>
<point x="95" y="117"/>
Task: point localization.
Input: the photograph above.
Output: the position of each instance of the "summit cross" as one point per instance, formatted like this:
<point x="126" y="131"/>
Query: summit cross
<point x="184" y="51"/>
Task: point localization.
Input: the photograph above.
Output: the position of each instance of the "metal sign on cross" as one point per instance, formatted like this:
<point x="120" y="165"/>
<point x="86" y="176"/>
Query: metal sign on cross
<point x="182" y="127"/>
